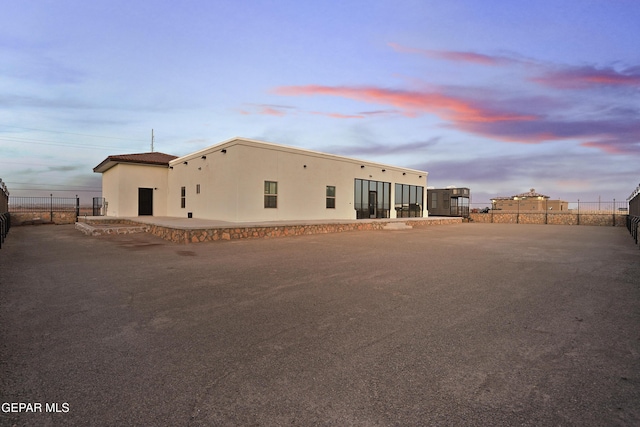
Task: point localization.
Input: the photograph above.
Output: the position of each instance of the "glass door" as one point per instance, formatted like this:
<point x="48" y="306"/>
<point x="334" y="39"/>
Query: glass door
<point x="373" y="204"/>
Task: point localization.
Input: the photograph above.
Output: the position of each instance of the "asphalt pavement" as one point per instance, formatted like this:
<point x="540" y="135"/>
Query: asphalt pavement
<point x="455" y="325"/>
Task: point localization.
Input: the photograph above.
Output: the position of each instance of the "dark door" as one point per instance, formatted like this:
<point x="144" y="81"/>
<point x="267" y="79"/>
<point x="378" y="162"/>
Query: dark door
<point x="145" y="201"/>
<point x="373" y="204"/>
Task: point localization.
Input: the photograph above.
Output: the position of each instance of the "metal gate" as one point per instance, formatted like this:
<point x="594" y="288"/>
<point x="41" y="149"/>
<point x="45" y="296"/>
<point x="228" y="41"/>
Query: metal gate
<point x="98" y="206"/>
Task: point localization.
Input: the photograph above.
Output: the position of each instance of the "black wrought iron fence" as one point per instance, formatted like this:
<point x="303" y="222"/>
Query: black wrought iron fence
<point x="633" y="220"/>
<point x="600" y="207"/>
<point x="98" y="206"/>
<point x="44" y="205"/>
<point x="5" y="219"/>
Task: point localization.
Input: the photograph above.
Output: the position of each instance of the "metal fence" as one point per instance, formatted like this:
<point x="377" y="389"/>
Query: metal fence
<point x="633" y="220"/>
<point x="44" y="205"/>
<point x="570" y="213"/>
<point x="599" y="207"/>
<point x="5" y="219"/>
<point x="99" y="206"/>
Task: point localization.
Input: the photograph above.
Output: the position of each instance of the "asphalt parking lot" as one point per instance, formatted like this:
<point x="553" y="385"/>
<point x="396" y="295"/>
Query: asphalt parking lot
<point x="467" y="324"/>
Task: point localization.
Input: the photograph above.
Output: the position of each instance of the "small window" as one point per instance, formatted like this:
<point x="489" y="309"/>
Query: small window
<point x="197" y="188"/>
<point x="183" y="197"/>
<point x="434" y="200"/>
<point x="331" y="197"/>
<point x="270" y="194"/>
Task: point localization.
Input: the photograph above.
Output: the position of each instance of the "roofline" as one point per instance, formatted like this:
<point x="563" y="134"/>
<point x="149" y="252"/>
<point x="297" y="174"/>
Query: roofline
<point x="108" y="163"/>
<point x="286" y="148"/>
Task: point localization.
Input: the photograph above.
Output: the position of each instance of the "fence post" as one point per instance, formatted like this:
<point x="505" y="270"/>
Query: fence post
<point x="77" y="208"/>
<point x="546" y="210"/>
<point x="578" y="211"/>
<point x="614" y="212"/>
<point x="493" y="208"/>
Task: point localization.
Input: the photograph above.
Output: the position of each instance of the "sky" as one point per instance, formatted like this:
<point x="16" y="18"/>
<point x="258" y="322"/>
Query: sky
<point x="497" y="96"/>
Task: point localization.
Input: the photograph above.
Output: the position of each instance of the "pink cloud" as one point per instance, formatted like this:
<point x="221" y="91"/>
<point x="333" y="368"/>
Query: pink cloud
<point x="614" y="146"/>
<point x="500" y="120"/>
<point x="583" y="77"/>
<point x="410" y="102"/>
<point x="339" y="115"/>
<point x="449" y="55"/>
<point x="272" y="112"/>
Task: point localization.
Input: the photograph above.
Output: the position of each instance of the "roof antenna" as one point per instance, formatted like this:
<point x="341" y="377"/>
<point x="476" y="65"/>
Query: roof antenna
<point x="152" y="140"/>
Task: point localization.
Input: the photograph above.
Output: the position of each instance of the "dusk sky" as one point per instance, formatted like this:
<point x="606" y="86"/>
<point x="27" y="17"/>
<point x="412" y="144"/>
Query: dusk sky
<point x="498" y="96"/>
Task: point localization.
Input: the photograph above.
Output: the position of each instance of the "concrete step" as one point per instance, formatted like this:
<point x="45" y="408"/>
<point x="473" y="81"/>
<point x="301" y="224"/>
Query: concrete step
<point x="397" y="226"/>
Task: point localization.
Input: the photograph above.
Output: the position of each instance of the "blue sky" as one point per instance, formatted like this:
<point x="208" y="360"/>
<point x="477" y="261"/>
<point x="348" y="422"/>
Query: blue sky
<point x="498" y="96"/>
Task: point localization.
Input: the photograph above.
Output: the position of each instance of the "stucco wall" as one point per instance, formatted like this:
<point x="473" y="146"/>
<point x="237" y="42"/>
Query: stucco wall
<point x="232" y="183"/>
<point x="120" y="188"/>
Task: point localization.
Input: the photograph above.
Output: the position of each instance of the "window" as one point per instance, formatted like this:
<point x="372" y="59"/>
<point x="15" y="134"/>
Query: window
<point x="434" y="200"/>
<point x="270" y="194"/>
<point x="372" y="198"/>
<point x="197" y="188"/>
<point x="331" y="197"/>
<point x="183" y="197"/>
<point x="409" y="200"/>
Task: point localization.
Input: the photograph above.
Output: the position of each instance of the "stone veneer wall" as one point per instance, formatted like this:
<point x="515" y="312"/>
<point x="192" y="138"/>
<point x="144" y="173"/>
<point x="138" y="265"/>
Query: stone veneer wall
<point x="551" y="218"/>
<point x="30" y="218"/>
<point x="178" y="235"/>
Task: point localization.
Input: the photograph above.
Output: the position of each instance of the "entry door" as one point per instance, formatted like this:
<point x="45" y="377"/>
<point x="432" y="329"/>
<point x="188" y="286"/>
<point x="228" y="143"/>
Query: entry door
<point x="145" y="201"/>
<point x="373" y="204"/>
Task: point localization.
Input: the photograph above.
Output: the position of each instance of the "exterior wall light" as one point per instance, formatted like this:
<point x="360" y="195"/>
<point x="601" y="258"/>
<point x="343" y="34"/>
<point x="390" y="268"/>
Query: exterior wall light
<point x="203" y="157"/>
<point x="223" y="151"/>
<point x="404" y="173"/>
<point x="304" y="166"/>
<point x="361" y="166"/>
<point x="384" y="170"/>
<point x="186" y="163"/>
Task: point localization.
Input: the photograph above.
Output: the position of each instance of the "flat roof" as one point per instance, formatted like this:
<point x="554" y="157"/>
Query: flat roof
<point x="285" y="148"/>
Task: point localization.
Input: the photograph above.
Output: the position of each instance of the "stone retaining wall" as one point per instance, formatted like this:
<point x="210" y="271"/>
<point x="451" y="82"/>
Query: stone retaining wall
<point x="218" y="234"/>
<point x="31" y="218"/>
<point x="551" y="218"/>
<point x="98" y="230"/>
<point x="179" y="235"/>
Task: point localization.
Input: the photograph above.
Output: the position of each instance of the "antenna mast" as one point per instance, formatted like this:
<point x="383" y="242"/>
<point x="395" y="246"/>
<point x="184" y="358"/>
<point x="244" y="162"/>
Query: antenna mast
<point x="152" y="140"/>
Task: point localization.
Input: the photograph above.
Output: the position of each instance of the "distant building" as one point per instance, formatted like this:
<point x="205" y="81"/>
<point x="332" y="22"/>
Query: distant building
<point x="530" y="201"/>
<point x="450" y="201"/>
<point x="243" y="180"/>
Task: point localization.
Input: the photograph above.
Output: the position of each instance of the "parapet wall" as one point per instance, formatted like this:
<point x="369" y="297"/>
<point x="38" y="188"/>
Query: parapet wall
<point x="568" y="218"/>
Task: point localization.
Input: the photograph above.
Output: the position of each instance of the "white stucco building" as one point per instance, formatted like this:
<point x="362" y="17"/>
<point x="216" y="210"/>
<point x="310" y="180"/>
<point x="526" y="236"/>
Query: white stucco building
<point x="242" y="180"/>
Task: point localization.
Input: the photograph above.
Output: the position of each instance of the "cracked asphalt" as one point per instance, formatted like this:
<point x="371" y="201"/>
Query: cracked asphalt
<point x="467" y="324"/>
